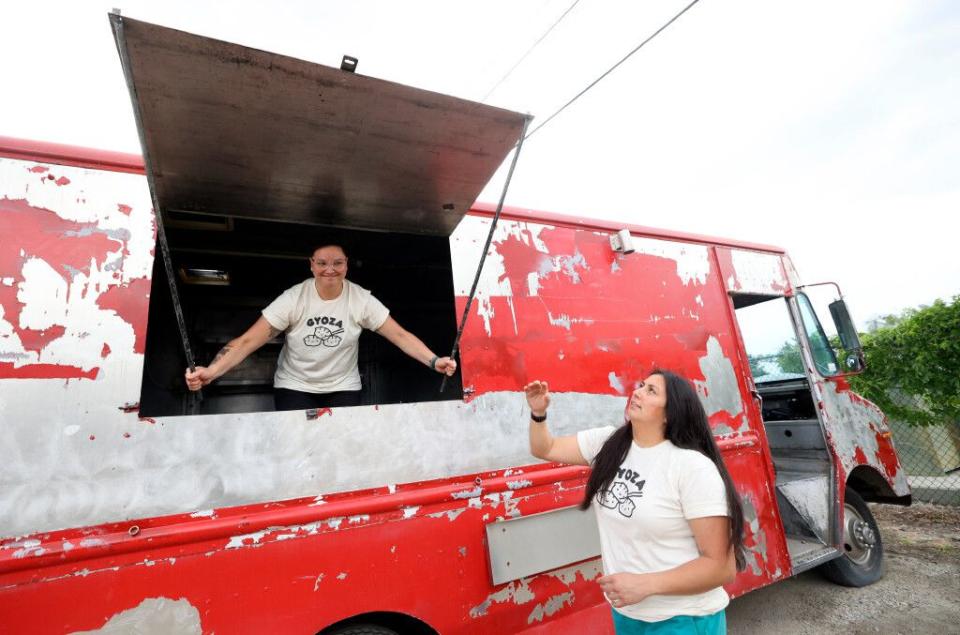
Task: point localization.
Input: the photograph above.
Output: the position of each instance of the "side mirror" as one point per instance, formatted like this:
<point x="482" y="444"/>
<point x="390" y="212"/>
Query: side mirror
<point x="847" y="331"/>
<point x="836" y="347"/>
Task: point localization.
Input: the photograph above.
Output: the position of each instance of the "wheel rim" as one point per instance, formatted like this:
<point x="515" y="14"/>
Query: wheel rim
<point x="859" y="538"/>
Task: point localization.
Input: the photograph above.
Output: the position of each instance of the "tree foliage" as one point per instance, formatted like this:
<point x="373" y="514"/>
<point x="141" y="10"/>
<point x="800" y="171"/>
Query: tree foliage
<point x="913" y="365"/>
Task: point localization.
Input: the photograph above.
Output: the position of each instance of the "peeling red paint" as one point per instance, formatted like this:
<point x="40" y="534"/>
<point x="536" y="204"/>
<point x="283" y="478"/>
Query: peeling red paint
<point x="34" y="340"/>
<point x="105" y="350"/>
<point x="46" y="371"/>
<point x="130" y="301"/>
<point x="124" y="209"/>
<point x="39" y="169"/>
<point x="62" y="244"/>
<point x="62" y="181"/>
<point x="860" y="456"/>
<point x="887" y="455"/>
<point x="149" y="420"/>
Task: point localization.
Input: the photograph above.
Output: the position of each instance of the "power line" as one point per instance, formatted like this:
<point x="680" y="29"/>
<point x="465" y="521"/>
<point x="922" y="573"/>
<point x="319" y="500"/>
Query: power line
<point x="530" y="50"/>
<point x="611" y="69"/>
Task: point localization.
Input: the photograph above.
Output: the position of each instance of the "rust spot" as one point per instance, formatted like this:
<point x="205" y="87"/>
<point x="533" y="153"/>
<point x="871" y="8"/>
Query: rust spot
<point x="316" y="413"/>
<point x="130" y="407"/>
<point x="149" y="420"/>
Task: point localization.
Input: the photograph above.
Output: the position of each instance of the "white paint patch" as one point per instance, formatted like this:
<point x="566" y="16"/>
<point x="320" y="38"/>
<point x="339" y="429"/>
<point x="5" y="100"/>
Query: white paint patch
<point x="589" y="570"/>
<point x="533" y="283"/>
<point x="551" y="606"/>
<point x="153" y="616"/>
<point x="758" y="272"/>
<point x="26" y="548"/>
<point x="468" y="493"/>
<point x="719" y="390"/>
<point x="693" y="261"/>
<point x="203" y="513"/>
<point x="316" y="583"/>
<point x="616" y="383"/>
<point x="246" y="540"/>
<point x="517" y="592"/>
<point x="410" y="512"/>
<point x="342" y="576"/>
<point x="7" y="282"/>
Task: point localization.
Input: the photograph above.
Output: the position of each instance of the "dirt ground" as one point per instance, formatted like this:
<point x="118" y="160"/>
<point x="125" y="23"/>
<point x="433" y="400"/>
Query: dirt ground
<point x="919" y="592"/>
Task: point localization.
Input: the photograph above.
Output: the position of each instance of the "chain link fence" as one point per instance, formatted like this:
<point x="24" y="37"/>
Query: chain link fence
<point x="931" y="456"/>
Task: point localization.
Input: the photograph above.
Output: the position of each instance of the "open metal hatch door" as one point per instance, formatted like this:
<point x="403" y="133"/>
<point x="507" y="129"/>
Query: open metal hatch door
<point x="237" y="131"/>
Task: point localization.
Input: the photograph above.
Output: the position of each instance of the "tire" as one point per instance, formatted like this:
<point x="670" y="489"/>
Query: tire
<point x="364" y="629"/>
<point x="862" y="561"/>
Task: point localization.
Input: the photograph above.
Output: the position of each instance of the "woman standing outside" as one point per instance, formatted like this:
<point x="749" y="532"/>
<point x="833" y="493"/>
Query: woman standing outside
<point x="670" y="521"/>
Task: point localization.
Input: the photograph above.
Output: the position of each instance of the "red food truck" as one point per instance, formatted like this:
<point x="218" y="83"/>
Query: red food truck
<point x="129" y="504"/>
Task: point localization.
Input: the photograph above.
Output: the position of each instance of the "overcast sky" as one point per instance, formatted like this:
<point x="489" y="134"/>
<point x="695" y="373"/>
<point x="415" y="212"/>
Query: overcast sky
<point x="829" y="128"/>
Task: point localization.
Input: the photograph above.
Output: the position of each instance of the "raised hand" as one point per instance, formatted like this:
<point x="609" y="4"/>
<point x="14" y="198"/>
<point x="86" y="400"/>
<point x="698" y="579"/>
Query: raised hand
<point x="538" y="397"/>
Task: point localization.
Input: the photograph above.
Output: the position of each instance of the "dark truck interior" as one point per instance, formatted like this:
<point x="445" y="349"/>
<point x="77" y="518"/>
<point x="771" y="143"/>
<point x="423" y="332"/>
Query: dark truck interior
<point x="228" y="270"/>
<point x="254" y="158"/>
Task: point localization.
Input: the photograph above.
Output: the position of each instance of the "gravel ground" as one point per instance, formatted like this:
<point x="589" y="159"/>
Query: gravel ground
<point x="919" y="592"/>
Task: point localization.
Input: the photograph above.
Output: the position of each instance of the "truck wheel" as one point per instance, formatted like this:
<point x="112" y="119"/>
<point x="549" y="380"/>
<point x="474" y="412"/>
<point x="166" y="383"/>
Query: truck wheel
<point x="862" y="561"/>
<point x="364" y="629"/>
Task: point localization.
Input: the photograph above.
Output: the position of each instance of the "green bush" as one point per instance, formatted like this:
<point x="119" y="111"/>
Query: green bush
<point x="913" y="365"/>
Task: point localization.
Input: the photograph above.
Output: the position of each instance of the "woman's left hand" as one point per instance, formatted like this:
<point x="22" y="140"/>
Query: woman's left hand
<point x="446" y="366"/>
<point x="624" y="589"/>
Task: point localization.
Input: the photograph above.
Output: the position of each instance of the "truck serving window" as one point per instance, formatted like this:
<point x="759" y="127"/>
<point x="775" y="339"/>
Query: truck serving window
<point x="254" y="158"/>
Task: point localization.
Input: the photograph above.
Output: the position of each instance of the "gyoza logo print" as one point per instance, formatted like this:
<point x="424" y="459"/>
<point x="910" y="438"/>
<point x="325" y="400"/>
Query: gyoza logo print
<point x="619" y="496"/>
<point x="327" y="334"/>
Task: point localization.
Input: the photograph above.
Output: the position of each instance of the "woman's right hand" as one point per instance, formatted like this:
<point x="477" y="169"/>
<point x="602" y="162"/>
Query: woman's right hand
<point x="538" y="397"/>
<point x="200" y="377"/>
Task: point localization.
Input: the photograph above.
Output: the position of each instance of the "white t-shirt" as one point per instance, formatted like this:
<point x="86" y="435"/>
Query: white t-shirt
<point x="320" y="347"/>
<point x="643" y="519"/>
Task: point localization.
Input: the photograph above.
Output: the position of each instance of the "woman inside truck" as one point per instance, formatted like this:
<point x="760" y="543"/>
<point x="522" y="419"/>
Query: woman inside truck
<point x="321" y="319"/>
<point x="670" y="521"/>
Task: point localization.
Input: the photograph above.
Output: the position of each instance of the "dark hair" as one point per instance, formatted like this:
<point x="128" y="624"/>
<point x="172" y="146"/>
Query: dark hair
<point x="687" y="428"/>
<point x="330" y="244"/>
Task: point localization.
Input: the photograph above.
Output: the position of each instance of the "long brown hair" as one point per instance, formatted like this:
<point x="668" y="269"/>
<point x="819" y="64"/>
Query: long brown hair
<point x="687" y="427"/>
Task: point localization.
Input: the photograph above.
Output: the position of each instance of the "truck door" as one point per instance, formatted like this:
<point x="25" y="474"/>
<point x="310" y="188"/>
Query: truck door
<point x="802" y="463"/>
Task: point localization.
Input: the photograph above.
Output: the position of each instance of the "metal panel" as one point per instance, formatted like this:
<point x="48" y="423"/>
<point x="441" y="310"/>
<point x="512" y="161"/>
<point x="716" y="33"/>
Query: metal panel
<point x="241" y="132"/>
<point x="541" y="542"/>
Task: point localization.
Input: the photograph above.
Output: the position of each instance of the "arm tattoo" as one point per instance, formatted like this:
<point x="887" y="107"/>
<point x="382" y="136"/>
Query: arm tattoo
<point x="220" y="355"/>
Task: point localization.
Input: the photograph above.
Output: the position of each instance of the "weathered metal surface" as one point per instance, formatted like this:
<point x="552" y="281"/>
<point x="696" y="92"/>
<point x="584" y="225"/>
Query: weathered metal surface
<point x="746" y="271"/>
<point x="242" y="132"/>
<point x="283" y="513"/>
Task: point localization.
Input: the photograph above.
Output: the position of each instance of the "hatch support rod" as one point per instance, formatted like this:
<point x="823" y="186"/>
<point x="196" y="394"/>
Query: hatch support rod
<point x="486" y="246"/>
<point x="116" y="23"/>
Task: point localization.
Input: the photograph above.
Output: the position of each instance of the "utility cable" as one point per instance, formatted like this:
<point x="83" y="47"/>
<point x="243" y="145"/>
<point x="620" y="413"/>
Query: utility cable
<point x="611" y="69"/>
<point x="529" y="51"/>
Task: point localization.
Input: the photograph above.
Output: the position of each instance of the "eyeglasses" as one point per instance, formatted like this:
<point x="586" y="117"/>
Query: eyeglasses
<point x="339" y="263"/>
